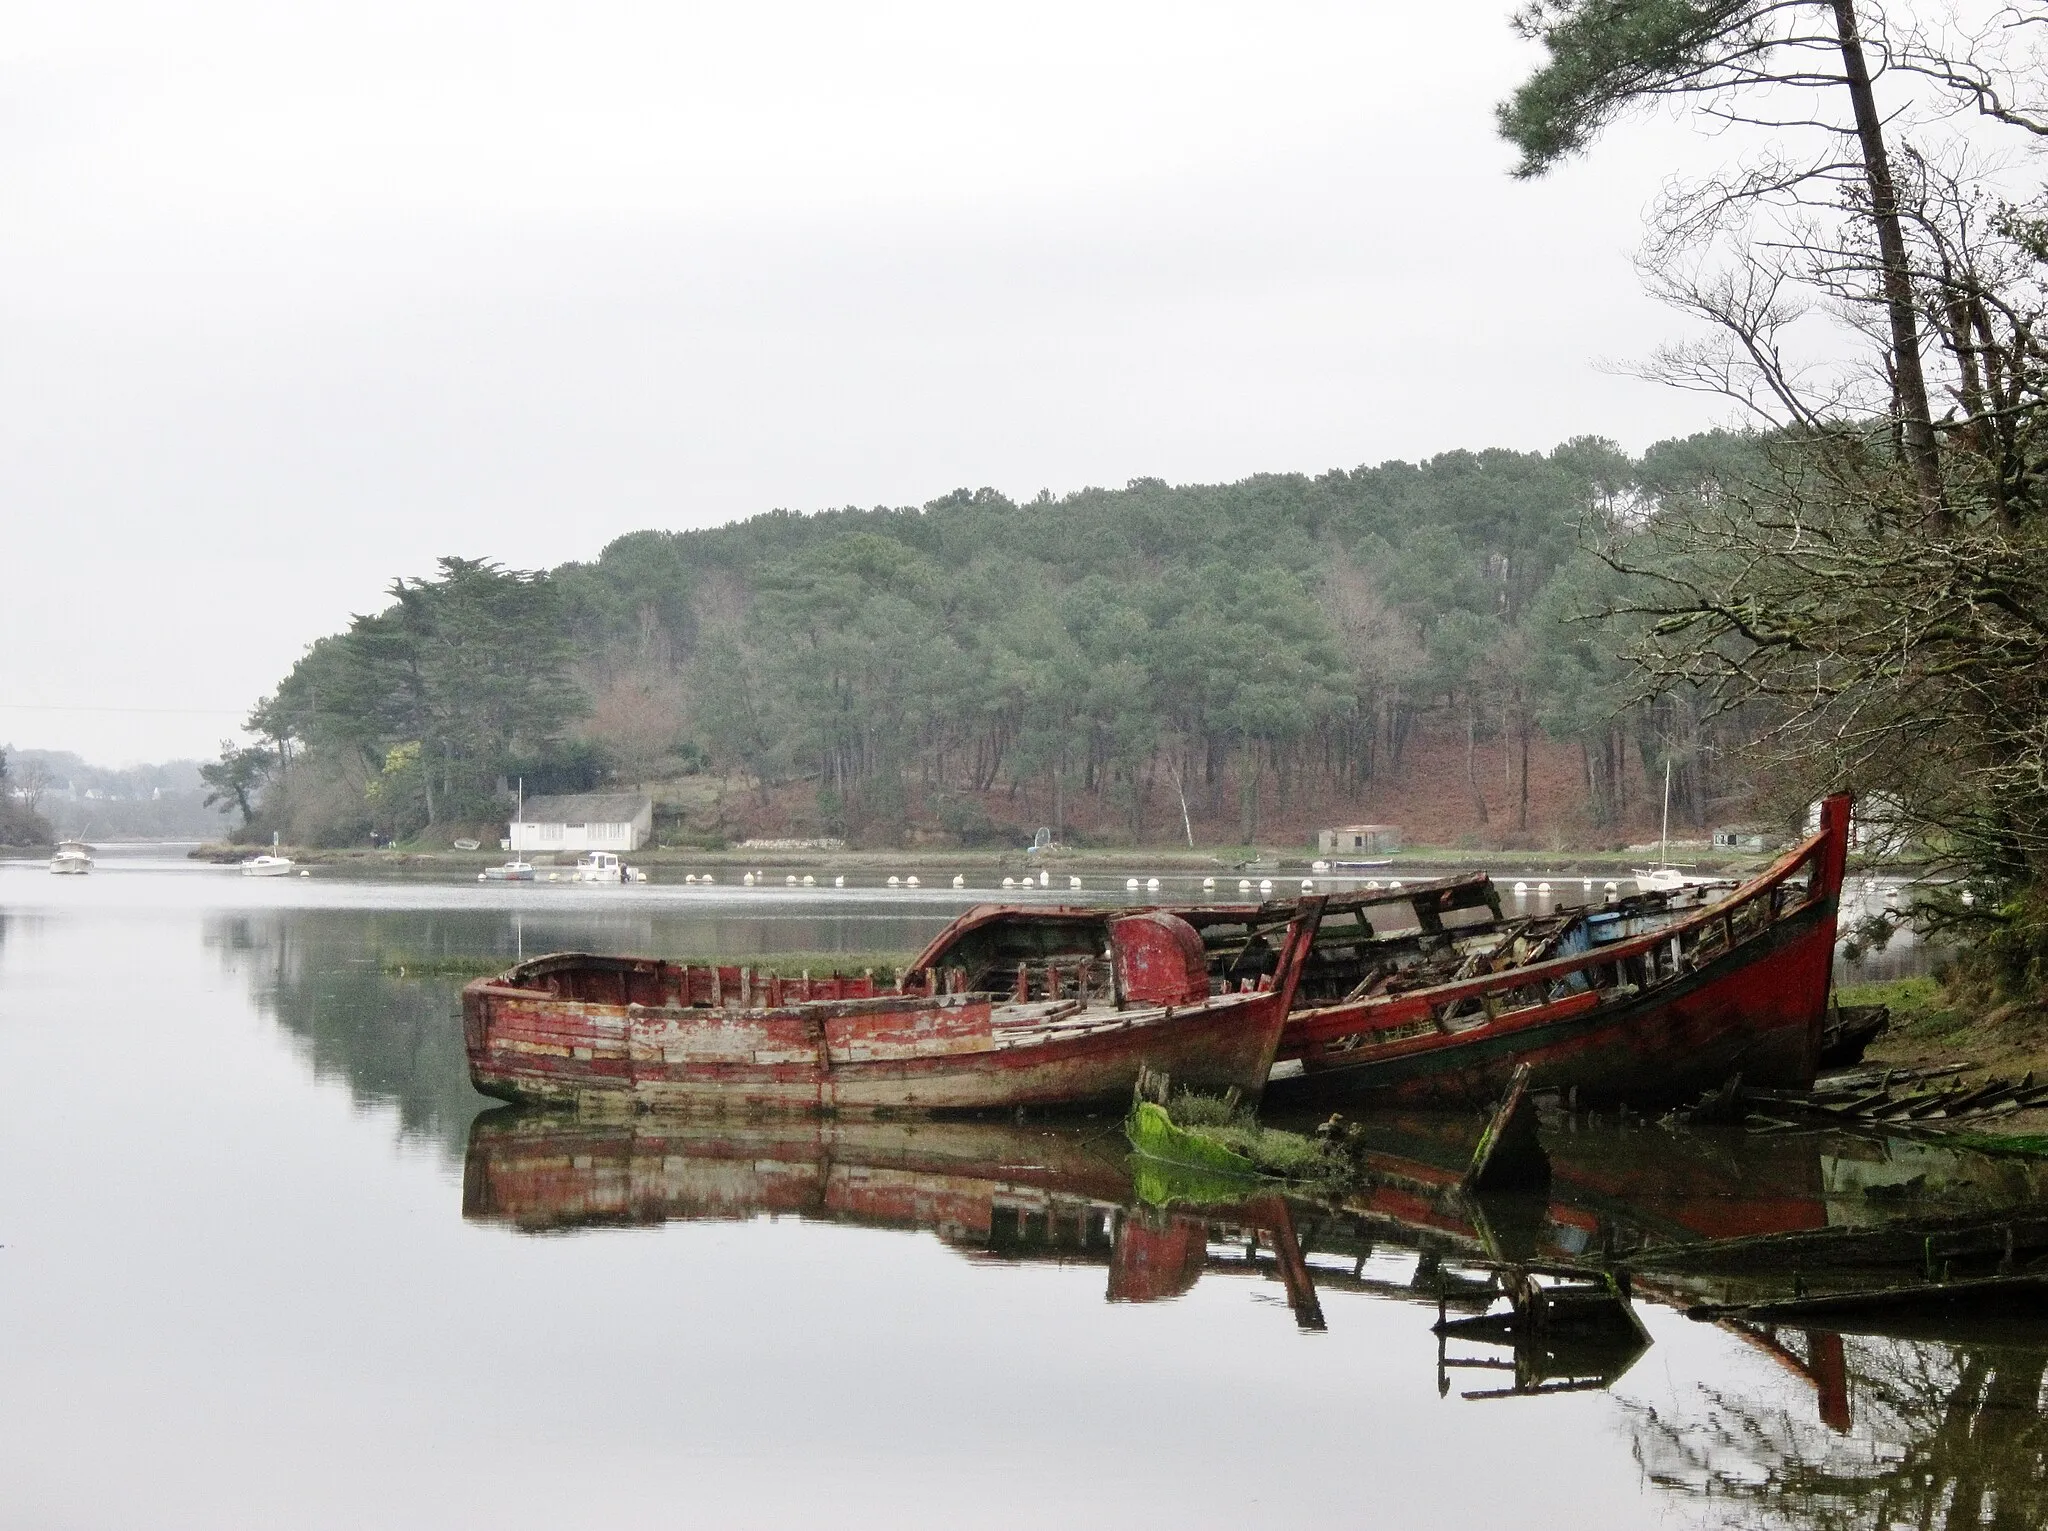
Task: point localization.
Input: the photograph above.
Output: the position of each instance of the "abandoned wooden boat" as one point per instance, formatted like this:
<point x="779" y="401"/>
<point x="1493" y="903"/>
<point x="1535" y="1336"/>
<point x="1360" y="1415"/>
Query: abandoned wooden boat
<point x="1429" y="994"/>
<point x="660" y="1035"/>
<point x="1651" y="1001"/>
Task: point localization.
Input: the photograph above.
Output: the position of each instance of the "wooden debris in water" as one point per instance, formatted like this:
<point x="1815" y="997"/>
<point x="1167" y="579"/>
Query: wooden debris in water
<point x="1509" y="1156"/>
<point x="1906" y="1098"/>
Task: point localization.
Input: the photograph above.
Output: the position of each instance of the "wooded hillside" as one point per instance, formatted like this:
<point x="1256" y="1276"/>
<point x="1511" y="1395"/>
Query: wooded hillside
<point x="1260" y="653"/>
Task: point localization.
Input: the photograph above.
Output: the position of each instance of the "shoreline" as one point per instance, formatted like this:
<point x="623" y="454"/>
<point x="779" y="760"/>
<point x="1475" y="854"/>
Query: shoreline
<point x="1165" y="860"/>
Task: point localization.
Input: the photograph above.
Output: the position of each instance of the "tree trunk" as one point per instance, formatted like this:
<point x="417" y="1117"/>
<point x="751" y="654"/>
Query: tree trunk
<point x="1471" y="758"/>
<point x="1248" y="793"/>
<point x="1522" y="804"/>
<point x="1916" y="420"/>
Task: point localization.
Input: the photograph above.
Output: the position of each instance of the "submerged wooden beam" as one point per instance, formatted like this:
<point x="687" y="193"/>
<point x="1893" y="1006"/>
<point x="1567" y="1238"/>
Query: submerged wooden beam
<point x="1509" y="1156"/>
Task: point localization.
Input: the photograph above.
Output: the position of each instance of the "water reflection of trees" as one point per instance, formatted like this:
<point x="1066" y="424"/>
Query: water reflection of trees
<point x="395" y="1042"/>
<point x="1928" y="1435"/>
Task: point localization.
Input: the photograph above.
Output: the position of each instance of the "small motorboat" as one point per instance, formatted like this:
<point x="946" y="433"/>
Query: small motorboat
<point x="73" y="859"/>
<point x="511" y="871"/>
<point x="604" y="867"/>
<point x="270" y="864"/>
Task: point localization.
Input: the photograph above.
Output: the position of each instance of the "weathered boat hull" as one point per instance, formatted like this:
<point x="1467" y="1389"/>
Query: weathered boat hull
<point x="531" y="1049"/>
<point x="641" y="1033"/>
<point x="1739" y="988"/>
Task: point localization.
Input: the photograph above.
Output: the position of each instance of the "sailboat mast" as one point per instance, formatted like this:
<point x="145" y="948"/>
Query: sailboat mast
<point x="1664" y="838"/>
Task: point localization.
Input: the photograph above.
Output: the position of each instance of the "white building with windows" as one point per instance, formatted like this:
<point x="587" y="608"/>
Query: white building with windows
<point x="584" y="821"/>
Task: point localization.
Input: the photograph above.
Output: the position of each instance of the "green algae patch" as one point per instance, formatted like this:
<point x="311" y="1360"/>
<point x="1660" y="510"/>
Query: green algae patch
<point x="1224" y="1138"/>
<point x="1154" y="1133"/>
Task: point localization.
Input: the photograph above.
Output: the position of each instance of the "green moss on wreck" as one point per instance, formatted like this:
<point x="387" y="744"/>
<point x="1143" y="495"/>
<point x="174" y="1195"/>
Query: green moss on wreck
<point x="1223" y="1137"/>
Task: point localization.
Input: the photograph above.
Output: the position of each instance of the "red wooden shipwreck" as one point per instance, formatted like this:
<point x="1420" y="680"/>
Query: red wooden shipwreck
<point x="638" y="1031"/>
<point x="1429" y="995"/>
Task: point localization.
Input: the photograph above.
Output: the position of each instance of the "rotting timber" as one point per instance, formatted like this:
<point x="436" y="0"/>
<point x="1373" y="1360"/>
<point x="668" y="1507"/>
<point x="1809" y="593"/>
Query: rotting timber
<point x="638" y="1032"/>
<point x="1430" y="995"/>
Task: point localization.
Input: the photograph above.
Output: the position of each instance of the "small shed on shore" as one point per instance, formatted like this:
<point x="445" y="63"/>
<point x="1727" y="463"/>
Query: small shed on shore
<point x="1359" y="840"/>
<point x="1746" y="837"/>
<point x="584" y="821"/>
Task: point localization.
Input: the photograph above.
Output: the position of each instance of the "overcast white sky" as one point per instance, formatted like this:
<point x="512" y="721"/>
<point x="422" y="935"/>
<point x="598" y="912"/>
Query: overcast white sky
<point x="294" y="298"/>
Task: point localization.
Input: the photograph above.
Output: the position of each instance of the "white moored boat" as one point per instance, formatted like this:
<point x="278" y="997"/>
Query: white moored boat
<point x="1664" y="877"/>
<point x="604" y="866"/>
<point x="73" y="858"/>
<point x="270" y="864"/>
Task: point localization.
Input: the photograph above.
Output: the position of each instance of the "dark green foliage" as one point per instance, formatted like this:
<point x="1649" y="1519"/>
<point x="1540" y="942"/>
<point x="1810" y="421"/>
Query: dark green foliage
<point x="1609" y="55"/>
<point x="1213" y="644"/>
<point x="460" y="680"/>
<point x="234" y="780"/>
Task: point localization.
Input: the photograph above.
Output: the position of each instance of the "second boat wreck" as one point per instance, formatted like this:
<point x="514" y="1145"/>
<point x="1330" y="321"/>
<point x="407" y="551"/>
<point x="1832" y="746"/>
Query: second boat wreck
<point x="1429" y="995"/>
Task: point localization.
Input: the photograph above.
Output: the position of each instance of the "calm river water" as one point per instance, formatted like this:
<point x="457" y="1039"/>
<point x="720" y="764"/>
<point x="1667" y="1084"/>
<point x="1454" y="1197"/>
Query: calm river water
<point x="266" y="1260"/>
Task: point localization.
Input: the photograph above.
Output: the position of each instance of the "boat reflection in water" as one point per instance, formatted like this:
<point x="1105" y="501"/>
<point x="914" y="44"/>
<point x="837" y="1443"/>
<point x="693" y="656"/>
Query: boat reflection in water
<point x="1497" y="1276"/>
<point x="1068" y="1194"/>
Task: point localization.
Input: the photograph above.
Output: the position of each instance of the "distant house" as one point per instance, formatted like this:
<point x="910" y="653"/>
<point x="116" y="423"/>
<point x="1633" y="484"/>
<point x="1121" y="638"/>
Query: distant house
<point x="1877" y="824"/>
<point x="1746" y="837"/>
<point x="584" y="821"/>
<point x="1359" y="840"/>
